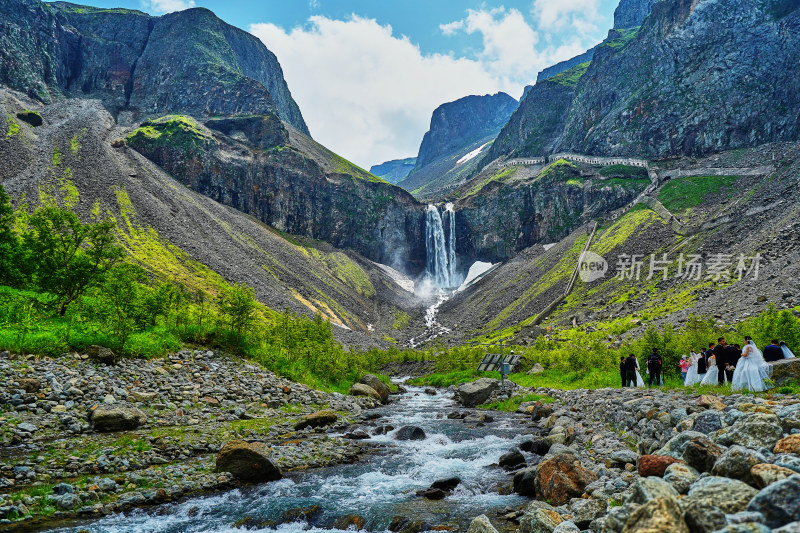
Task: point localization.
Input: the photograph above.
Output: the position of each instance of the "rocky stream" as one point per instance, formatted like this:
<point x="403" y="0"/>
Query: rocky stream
<point x="427" y="460"/>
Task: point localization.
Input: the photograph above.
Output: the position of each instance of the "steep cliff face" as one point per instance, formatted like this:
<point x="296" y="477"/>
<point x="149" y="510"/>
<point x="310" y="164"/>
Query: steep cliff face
<point x="188" y="62"/>
<point x="536" y="127"/>
<point x="631" y="13"/>
<point x="558" y="68"/>
<point x="697" y="77"/>
<point x="505" y="217"/>
<point x="457" y="129"/>
<point x="288" y="181"/>
<point x="394" y="171"/>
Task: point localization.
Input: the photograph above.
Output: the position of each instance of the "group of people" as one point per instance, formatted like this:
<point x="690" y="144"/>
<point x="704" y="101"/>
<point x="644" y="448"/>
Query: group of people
<point x="629" y="370"/>
<point x="744" y="368"/>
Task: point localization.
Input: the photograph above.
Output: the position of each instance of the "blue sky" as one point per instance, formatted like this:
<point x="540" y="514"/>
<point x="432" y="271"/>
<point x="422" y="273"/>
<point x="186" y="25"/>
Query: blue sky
<point x="368" y="73"/>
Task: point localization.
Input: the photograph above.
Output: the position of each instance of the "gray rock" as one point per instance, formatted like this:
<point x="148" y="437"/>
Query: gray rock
<point x="754" y="431"/>
<point x="623" y="457"/>
<point x="539" y="521"/>
<point x="525" y="482"/>
<point x="742" y="517"/>
<point x="779" y="502"/>
<point x="410" y="433"/>
<point x="680" y="476"/>
<point x="736" y="463"/>
<point x="512" y="460"/>
<point x="481" y="524"/>
<point x="27" y="426"/>
<point x="477" y="392"/>
<point x="675" y="446"/>
<point x="701" y="453"/>
<point x="66" y="501"/>
<point x="586" y="511"/>
<point x="650" y="488"/>
<point x="109" y="418"/>
<point x="702" y="516"/>
<point x="707" y="422"/>
<point x="376" y="384"/>
<point x="730" y="495"/>
<point x="63" y="488"/>
<point x="567" y="527"/>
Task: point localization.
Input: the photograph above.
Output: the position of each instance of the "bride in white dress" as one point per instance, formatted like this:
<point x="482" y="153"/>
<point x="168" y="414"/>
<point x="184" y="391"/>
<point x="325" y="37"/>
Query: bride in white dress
<point x="712" y="375"/>
<point x="639" y="380"/>
<point x="787" y="353"/>
<point x="752" y="372"/>
<point x="692" y="377"/>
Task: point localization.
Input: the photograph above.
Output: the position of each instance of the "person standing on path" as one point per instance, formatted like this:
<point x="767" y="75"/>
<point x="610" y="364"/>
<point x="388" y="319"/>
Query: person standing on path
<point x="684" y="365"/>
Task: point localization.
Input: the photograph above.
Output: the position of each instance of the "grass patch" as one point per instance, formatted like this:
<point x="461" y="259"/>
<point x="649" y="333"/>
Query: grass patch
<point x="559" y="171"/>
<point x="571" y="77"/>
<point x="685" y="193"/>
<point x="502" y="176"/>
<point x="13" y="128"/>
<point x="512" y="404"/>
<point x="624" y="171"/>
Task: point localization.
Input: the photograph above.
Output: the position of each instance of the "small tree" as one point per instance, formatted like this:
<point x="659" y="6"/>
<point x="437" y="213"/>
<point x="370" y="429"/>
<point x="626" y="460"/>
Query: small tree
<point x="69" y="256"/>
<point x="122" y="288"/>
<point x="12" y="261"/>
<point x="237" y="304"/>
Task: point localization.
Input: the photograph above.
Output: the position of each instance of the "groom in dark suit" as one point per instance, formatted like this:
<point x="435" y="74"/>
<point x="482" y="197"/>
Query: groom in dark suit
<point x="721" y="359"/>
<point x="732" y="356"/>
<point x="773" y="352"/>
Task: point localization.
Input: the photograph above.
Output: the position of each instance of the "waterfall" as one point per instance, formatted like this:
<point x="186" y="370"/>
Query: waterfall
<point x="451" y="244"/>
<point x="440" y="249"/>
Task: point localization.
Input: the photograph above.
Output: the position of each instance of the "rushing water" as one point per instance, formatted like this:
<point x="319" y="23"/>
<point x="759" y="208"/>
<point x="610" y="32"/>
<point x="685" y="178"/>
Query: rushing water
<point x="379" y="487"/>
<point x="440" y="247"/>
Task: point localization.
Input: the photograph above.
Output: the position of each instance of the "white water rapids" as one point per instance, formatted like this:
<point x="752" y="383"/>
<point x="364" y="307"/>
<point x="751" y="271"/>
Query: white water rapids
<point x="379" y="487"/>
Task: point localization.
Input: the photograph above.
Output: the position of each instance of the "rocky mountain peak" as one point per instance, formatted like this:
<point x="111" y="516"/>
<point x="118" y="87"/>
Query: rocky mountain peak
<point x="631" y="13"/>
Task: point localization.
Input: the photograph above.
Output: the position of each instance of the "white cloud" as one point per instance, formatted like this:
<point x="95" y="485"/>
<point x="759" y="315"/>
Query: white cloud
<point x="580" y="15"/>
<point x="368" y="94"/>
<point x="166" y="6"/>
<point x="365" y="93"/>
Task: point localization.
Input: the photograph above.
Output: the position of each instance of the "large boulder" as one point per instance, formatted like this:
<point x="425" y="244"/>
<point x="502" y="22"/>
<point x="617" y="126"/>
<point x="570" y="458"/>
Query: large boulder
<point x="707" y="422"/>
<point x="525" y="482"/>
<point x="108" y="418"/>
<point x="318" y="419"/>
<point x="512" y="460"/>
<point x="377" y="385"/>
<point x="248" y="461"/>
<point x="661" y="514"/>
<point x="779" y="502"/>
<point x="477" y="392"/>
<point x="785" y="370"/>
<point x="562" y="477"/>
<point x="101" y="354"/>
<point x="481" y="524"/>
<point x="410" y="433"/>
<point x="585" y="511"/>
<point x="359" y="389"/>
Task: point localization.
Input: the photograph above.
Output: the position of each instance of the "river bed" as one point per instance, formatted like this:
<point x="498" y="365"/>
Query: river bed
<point x="379" y="487"/>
